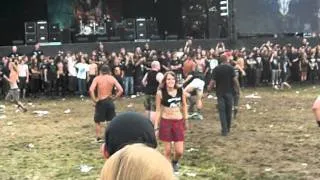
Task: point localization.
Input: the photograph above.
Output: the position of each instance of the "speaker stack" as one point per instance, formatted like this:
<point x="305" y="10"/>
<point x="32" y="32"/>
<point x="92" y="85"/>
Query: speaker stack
<point x="152" y="29"/>
<point x="42" y="31"/>
<point x="54" y="33"/>
<point x="129" y="31"/>
<point x="30" y="32"/>
<point x="141" y="28"/>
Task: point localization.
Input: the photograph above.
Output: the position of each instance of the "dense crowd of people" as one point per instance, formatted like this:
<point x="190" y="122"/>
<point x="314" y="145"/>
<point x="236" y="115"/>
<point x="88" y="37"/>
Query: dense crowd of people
<point x="72" y="73"/>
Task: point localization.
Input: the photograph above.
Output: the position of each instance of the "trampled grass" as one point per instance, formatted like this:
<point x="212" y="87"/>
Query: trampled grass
<point x="276" y="138"/>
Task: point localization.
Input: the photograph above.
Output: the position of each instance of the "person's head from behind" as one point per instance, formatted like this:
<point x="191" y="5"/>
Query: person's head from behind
<point x="224" y="58"/>
<point x="128" y="128"/>
<point x="104" y="69"/>
<point x="137" y="162"/>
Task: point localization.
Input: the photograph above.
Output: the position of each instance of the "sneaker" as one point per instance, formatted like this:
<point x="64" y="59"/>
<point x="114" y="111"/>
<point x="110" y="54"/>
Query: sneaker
<point x="175" y="167"/>
<point x="99" y="140"/>
<point x="193" y="115"/>
<point x="199" y="116"/>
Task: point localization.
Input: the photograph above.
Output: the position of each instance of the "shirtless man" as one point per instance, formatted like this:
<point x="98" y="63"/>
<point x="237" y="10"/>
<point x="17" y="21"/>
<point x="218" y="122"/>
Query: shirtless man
<point x="105" y="109"/>
<point x="14" y="89"/>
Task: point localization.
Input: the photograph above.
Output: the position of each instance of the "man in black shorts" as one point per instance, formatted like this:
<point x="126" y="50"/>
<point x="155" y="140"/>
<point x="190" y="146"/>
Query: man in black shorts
<point x="105" y="109"/>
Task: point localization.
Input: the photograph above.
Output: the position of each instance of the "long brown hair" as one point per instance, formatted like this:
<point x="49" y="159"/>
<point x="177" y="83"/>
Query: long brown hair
<point x="163" y="84"/>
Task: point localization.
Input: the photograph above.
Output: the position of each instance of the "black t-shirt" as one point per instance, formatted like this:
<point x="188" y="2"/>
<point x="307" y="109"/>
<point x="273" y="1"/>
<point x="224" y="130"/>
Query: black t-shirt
<point x="223" y="75"/>
<point x="170" y="101"/>
<point x="197" y="75"/>
<point x="4" y="69"/>
<point x="129" y="69"/>
<point x="14" y="55"/>
<point x="275" y="63"/>
<point x="152" y="83"/>
<point x="176" y="63"/>
<point x="51" y="71"/>
<point x="37" y="53"/>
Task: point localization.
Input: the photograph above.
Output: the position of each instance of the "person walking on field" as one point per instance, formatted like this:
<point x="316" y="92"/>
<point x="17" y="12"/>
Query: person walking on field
<point x="226" y="83"/>
<point x="104" y="106"/>
<point x="171" y="117"/>
<point x="13" y="80"/>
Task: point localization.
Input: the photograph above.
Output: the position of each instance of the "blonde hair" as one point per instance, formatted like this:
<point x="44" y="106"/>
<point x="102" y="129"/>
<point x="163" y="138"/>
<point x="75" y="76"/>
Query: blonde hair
<point x="137" y="162"/>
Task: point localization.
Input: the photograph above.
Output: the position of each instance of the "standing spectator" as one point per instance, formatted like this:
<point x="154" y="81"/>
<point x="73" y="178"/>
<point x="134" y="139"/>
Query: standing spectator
<point x="129" y="69"/>
<point x="226" y="82"/>
<point x="313" y="66"/>
<point x="61" y="79"/>
<point x="5" y="71"/>
<point x="23" y="71"/>
<point x="303" y="66"/>
<point x="259" y="69"/>
<point x="36" y="51"/>
<point x="72" y="73"/>
<point x="82" y="76"/>
<point x="35" y="80"/>
<point x="275" y="67"/>
<point x="50" y="77"/>
<point x="93" y="71"/>
<point x="14" y="54"/>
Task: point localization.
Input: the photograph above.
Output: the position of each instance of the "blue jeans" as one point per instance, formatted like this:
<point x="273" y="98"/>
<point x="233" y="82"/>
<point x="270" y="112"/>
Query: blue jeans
<point x="128" y="85"/>
<point x="225" y="103"/>
<point x="82" y="84"/>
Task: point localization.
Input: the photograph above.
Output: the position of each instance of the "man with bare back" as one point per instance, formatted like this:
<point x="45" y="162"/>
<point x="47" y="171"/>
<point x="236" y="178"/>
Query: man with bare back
<point x="105" y="109"/>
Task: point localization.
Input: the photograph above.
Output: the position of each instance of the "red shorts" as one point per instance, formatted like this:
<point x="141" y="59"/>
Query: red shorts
<point x="171" y="130"/>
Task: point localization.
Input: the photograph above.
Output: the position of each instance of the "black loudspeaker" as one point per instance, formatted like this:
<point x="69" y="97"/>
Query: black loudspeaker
<point x="30" y="28"/>
<point x="152" y="29"/>
<point x="54" y="28"/>
<point x="130" y="23"/>
<point x="66" y="36"/>
<point x="42" y="31"/>
<point x="55" y="37"/>
<point x="42" y="38"/>
<point x="141" y="28"/>
<point x="129" y="34"/>
<point x="30" y="38"/>
<point x="42" y="27"/>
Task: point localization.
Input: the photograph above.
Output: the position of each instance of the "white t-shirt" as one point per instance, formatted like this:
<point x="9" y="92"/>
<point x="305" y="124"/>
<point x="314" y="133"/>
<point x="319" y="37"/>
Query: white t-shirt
<point x="82" y="70"/>
<point x="71" y="69"/>
<point x="23" y="70"/>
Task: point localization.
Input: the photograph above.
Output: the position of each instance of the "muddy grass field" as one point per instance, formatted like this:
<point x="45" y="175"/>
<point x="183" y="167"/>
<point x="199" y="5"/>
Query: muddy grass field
<point x="274" y="137"/>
